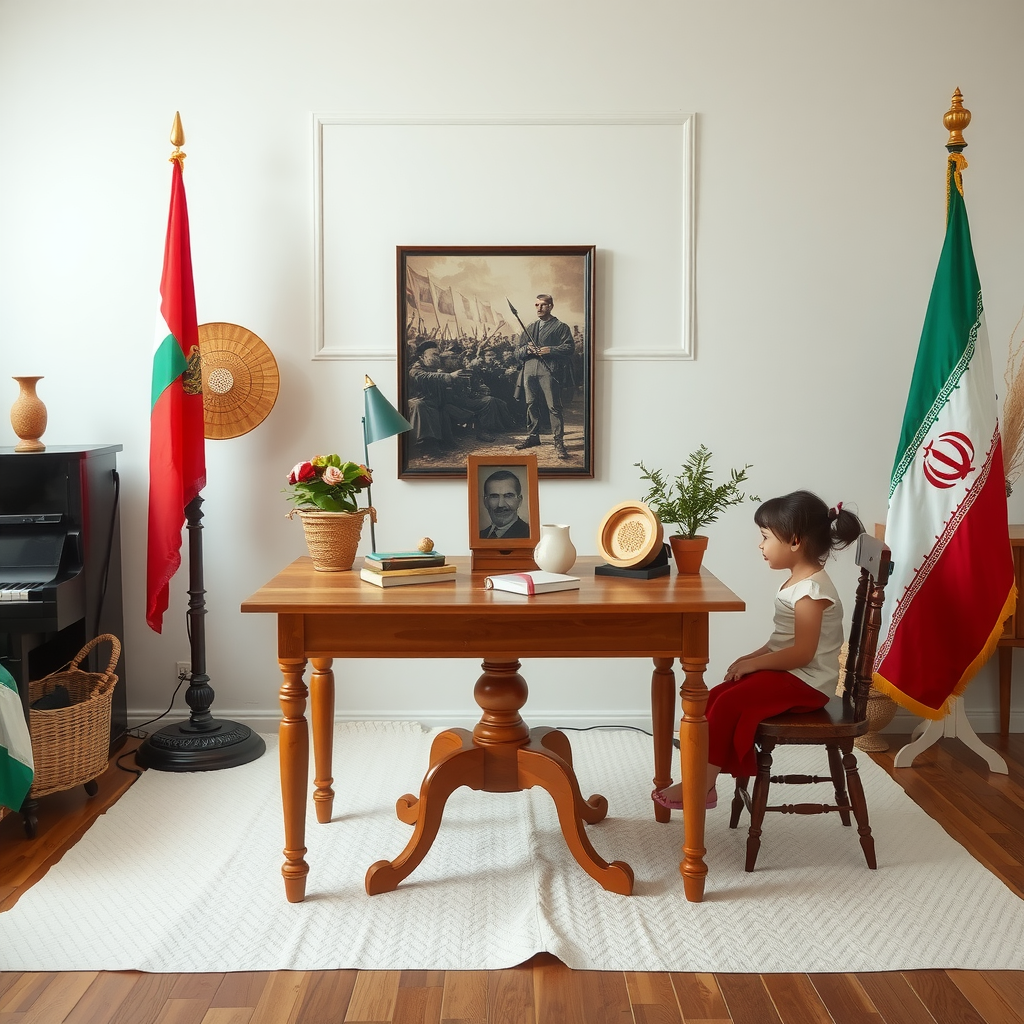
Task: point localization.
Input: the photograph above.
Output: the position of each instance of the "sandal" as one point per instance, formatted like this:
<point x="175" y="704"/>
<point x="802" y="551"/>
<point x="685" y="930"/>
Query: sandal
<point x="658" y="796"/>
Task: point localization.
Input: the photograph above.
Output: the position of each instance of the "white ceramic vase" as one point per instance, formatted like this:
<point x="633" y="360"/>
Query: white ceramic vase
<point x="554" y="551"/>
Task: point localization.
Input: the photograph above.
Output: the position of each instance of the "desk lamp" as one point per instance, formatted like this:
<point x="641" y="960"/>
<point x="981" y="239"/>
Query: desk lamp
<point x="380" y="420"/>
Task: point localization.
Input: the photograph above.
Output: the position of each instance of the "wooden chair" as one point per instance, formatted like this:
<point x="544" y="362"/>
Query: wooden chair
<point x="835" y="726"/>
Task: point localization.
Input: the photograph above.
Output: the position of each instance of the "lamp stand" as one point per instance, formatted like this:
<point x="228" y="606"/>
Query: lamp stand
<point x="203" y="743"/>
<point x="369" y="495"/>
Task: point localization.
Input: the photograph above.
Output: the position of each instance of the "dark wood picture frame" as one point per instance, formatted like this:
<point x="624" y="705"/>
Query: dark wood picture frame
<point x="455" y="312"/>
<point x="515" y="549"/>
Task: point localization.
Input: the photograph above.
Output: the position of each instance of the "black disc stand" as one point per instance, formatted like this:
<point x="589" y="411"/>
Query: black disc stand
<point x="203" y="743"/>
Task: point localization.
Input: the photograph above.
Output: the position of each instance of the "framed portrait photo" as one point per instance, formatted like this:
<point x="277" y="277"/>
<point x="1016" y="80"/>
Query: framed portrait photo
<point x="504" y="511"/>
<point x="496" y="357"/>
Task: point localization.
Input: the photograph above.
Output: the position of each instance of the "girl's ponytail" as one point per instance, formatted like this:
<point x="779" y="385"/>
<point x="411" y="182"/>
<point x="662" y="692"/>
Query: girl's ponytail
<point x="844" y="525"/>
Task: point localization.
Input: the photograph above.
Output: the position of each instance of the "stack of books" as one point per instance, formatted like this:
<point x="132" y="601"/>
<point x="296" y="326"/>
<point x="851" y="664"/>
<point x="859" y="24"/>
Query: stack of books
<point x="402" y="568"/>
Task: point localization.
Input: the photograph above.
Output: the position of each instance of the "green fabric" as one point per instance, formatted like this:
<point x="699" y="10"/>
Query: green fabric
<point x="15" y="775"/>
<point x="169" y="363"/>
<point x="949" y="333"/>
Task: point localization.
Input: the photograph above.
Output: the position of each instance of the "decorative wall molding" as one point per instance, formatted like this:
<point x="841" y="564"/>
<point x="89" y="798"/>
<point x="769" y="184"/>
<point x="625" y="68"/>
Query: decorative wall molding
<point x="674" y="130"/>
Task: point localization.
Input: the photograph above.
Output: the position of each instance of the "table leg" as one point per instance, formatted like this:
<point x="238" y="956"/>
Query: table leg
<point x="540" y="765"/>
<point x="501" y="755"/>
<point x="1005" y="679"/>
<point x="294" y="754"/>
<point x="663" y="693"/>
<point x="321" y="705"/>
<point x="693" y="743"/>
<point x="458" y="766"/>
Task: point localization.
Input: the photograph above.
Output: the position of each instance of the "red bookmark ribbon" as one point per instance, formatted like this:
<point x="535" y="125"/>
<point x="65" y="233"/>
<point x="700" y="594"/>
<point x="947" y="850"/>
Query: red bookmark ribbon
<point x="529" y="581"/>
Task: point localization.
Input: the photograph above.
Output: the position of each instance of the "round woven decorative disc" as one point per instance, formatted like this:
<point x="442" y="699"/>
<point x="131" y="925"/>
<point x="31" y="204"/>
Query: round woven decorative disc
<point x="240" y="380"/>
<point x="630" y="535"/>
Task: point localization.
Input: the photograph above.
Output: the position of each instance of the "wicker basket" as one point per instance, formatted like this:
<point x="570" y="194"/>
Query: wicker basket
<point x="332" y="537"/>
<point x="70" y="746"/>
<point x="881" y="710"/>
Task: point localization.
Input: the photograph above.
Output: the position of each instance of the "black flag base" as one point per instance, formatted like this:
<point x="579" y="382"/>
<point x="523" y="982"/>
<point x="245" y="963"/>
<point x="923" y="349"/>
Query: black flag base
<point x="184" y="747"/>
<point x="203" y="743"/>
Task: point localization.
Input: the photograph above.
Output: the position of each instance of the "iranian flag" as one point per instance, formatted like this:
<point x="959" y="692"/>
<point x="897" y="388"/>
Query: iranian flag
<point x="952" y="584"/>
<point x="16" y="770"/>
<point x="177" y="458"/>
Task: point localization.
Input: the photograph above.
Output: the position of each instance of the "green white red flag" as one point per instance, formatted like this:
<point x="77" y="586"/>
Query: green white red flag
<point x="952" y="584"/>
<point x="16" y="766"/>
<point x="177" y="456"/>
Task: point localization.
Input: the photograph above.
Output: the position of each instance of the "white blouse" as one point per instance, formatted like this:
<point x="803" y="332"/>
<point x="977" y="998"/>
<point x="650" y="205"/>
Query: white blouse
<point x="822" y="671"/>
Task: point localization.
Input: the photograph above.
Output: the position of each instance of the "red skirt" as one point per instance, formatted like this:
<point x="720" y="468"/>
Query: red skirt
<point x="736" y="708"/>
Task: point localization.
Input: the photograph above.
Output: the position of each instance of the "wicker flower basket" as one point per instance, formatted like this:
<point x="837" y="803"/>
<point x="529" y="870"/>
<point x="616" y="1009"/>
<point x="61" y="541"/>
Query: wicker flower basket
<point x="881" y="710"/>
<point x="70" y="746"/>
<point x="332" y="537"/>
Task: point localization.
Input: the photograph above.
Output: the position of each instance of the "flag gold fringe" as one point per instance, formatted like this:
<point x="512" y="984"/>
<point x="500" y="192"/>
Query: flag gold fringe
<point x="883" y="685"/>
<point x="1012" y="426"/>
<point x="959" y="162"/>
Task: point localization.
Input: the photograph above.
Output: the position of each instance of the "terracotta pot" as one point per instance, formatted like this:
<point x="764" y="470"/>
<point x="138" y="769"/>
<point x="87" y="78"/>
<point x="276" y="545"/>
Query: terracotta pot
<point x="28" y="416"/>
<point x="688" y="553"/>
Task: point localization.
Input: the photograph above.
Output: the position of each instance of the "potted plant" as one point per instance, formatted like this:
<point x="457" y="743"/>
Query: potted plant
<point x="690" y="501"/>
<point x="325" y="489"/>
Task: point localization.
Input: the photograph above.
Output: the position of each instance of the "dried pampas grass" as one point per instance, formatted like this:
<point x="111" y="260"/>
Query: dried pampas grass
<point x="1013" y="409"/>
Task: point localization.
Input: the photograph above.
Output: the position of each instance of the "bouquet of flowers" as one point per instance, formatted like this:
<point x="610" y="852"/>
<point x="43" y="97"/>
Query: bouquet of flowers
<point x="328" y="484"/>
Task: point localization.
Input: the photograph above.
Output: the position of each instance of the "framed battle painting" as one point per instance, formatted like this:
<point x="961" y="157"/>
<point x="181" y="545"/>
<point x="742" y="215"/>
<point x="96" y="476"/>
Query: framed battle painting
<point x="496" y="358"/>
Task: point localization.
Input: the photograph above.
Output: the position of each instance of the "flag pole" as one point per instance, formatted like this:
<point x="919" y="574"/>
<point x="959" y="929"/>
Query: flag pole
<point x="433" y="296"/>
<point x="955" y="120"/>
<point x="955" y="723"/>
<point x="203" y="743"/>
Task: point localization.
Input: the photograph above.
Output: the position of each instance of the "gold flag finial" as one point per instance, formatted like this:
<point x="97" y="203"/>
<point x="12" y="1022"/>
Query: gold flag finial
<point x="178" y="139"/>
<point x="956" y="119"/>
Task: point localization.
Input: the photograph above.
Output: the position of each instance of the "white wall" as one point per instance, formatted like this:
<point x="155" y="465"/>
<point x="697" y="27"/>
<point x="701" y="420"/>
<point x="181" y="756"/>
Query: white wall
<point x="820" y="205"/>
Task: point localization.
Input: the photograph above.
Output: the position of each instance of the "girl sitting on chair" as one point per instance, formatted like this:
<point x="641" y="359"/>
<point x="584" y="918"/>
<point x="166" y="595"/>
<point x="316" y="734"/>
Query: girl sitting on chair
<point x="798" y="668"/>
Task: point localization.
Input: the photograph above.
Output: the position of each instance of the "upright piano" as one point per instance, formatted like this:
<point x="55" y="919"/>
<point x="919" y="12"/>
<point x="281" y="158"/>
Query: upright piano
<point x="60" y="564"/>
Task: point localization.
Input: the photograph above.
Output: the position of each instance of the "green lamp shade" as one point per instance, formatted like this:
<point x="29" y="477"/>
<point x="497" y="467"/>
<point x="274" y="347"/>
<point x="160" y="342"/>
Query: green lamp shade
<point x="382" y="419"/>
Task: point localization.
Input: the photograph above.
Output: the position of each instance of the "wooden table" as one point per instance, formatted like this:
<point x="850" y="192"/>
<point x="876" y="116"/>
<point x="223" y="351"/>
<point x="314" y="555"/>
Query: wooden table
<point x="322" y="616"/>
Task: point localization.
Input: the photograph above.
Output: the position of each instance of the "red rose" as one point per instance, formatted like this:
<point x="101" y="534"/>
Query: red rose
<point x="302" y="472"/>
<point x="364" y="479"/>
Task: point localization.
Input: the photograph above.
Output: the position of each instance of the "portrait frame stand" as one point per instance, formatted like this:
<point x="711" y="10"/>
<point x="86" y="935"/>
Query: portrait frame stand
<point x="502" y="560"/>
<point x="502" y="554"/>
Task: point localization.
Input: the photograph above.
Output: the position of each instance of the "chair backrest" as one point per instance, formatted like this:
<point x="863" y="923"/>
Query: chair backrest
<point x="875" y="561"/>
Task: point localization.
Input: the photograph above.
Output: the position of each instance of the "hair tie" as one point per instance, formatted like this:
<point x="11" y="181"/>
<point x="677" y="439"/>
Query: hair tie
<point x="833" y="513"/>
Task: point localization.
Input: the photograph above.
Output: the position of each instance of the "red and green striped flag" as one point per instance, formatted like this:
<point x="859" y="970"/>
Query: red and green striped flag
<point x="177" y="457"/>
<point x="952" y="585"/>
<point x="16" y="767"/>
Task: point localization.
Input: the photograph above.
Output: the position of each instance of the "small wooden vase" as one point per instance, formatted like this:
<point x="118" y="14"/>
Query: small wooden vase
<point x="28" y="416"/>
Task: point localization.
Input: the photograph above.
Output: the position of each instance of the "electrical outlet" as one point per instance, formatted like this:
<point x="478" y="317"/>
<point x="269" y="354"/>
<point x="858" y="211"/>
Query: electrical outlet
<point x="184" y="670"/>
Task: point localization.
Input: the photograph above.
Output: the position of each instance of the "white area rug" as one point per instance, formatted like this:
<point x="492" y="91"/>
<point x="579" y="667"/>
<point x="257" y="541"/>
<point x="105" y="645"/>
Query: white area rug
<point x="183" y="875"/>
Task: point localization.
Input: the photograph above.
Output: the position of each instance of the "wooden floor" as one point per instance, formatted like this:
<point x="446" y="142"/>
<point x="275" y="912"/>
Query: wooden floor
<point x="985" y="813"/>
